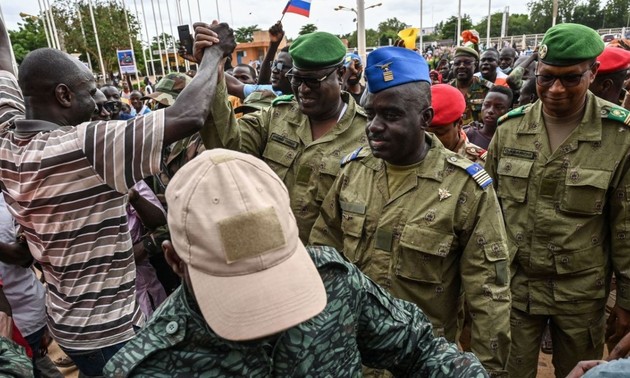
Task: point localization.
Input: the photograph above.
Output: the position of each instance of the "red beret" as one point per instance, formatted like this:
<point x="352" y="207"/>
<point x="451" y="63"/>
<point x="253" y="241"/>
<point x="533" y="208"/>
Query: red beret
<point x="448" y="104"/>
<point x="613" y="59"/>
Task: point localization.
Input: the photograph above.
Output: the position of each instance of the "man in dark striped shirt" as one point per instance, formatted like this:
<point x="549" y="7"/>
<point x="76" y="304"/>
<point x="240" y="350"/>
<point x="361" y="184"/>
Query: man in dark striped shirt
<point x="67" y="186"/>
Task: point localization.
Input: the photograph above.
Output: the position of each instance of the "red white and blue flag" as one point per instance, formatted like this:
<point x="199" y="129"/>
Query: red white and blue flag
<point x="302" y="7"/>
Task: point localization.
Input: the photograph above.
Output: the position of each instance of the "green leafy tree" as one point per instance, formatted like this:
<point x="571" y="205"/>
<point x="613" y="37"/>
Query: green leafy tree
<point x="519" y="24"/>
<point x="308" y="28"/>
<point x="495" y="25"/>
<point x="371" y="38"/>
<point x="588" y="13"/>
<point x="616" y="13"/>
<point x="541" y="13"/>
<point x="29" y="36"/>
<point x="111" y="27"/>
<point x="388" y="30"/>
<point x="448" y="29"/>
<point x="245" y="33"/>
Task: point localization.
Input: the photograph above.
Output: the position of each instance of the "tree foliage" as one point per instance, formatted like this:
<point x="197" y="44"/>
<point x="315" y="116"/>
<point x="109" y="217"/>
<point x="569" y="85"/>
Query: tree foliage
<point x="29" y="36"/>
<point x="308" y="28"/>
<point x="388" y="30"/>
<point x="588" y="13"/>
<point x="616" y="13"/>
<point x="245" y="33"/>
<point x="541" y="13"/>
<point x="448" y="29"/>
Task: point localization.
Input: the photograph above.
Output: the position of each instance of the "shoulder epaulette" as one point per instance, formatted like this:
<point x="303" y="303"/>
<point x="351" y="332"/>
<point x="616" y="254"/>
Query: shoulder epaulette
<point x="476" y="171"/>
<point x="616" y="113"/>
<point x="486" y="83"/>
<point x="282" y="99"/>
<point x="514" y="113"/>
<point x="356" y="154"/>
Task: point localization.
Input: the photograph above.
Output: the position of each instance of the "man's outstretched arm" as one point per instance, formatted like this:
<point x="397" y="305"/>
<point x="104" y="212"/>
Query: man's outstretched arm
<point x="192" y="107"/>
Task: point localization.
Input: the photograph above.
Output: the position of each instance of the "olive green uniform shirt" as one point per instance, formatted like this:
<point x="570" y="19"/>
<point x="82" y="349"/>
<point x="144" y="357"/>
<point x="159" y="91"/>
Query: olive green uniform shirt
<point x="474" y="98"/>
<point x="439" y="234"/>
<point x="566" y="213"/>
<point x="281" y="136"/>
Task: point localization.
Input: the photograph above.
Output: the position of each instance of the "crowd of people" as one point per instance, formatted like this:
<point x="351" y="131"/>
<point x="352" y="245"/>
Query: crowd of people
<point x="410" y="215"/>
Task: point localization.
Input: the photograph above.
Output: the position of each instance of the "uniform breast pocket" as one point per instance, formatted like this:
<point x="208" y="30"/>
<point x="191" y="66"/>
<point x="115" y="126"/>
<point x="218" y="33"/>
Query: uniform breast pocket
<point x="279" y="157"/>
<point x="585" y="191"/>
<point x="422" y="254"/>
<point x="352" y="221"/>
<point x="513" y="178"/>
<point x="328" y="170"/>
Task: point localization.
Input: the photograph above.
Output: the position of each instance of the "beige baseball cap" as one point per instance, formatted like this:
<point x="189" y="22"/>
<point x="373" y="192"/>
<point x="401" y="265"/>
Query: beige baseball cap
<point x="231" y="222"/>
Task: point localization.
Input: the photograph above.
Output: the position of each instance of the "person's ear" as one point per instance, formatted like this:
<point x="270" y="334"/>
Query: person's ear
<point x="340" y="73"/>
<point x="427" y="117"/>
<point x="64" y="95"/>
<point x="173" y="260"/>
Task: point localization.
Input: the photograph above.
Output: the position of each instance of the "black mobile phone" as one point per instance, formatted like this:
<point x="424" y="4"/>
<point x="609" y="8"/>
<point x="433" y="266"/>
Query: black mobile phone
<point x="185" y="39"/>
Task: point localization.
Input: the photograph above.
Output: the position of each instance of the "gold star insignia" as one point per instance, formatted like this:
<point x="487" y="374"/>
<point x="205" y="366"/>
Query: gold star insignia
<point x="443" y="194"/>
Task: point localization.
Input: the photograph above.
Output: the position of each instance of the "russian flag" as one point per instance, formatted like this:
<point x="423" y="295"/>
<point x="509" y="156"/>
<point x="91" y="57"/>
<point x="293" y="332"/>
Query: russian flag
<point x="302" y="7"/>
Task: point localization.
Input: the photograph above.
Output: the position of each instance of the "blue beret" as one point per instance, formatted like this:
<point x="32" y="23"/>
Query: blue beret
<point x="389" y="67"/>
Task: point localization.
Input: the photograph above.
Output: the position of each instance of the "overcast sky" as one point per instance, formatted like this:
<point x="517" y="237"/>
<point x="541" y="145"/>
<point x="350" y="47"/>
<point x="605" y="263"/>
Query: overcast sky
<point x="265" y="13"/>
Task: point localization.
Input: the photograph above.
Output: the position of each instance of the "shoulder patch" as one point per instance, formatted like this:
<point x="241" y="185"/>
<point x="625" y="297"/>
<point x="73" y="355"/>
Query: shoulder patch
<point x="616" y="113"/>
<point x="514" y="113"/>
<point x="281" y="99"/>
<point x="475" y="170"/>
<point x="360" y="152"/>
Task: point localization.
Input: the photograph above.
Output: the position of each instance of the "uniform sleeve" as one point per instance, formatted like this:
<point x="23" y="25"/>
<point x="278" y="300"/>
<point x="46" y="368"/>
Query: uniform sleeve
<point x="492" y="160"/>
<point x="11" y="100"/>
<point x="620" y="232"/>
<point x="124" y="152"/>
<point x="13" y="360"/>
<point x="484" y="267"/>
<point x="395" y="335"/>
<point x="327" y="229"/>
<point x="247" y="134"/>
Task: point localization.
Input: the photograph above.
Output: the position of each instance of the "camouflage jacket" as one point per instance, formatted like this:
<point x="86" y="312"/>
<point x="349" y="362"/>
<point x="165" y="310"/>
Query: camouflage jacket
<point x="13" y="360"/>
<point x="439" y="234"/>
<point x="360" y="323"/>
<point x="567" y="213"/>
<point x="281" y="136"/>
<point x="474" y="98"/>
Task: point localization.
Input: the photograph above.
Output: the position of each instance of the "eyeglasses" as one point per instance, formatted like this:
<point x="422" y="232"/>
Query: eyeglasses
<point x="310" y="82"/>
<point x="110" y="106"/>
<point x="567" y="81"/>
<point x="466" y="63"/>
<point x="277" y="65"/>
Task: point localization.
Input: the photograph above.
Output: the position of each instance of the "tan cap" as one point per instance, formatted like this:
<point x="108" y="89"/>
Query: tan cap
<point x="231" y="222"/>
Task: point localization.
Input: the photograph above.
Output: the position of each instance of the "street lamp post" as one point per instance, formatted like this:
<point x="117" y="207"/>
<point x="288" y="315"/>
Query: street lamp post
<point x="360" y="13"/>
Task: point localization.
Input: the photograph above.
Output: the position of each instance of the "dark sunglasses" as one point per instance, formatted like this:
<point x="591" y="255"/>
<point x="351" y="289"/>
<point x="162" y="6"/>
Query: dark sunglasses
<point x="277" y="65"/>
<point x="110" y="106"/>
<point x="310" y="82"/>
<point x="567" y="81"/>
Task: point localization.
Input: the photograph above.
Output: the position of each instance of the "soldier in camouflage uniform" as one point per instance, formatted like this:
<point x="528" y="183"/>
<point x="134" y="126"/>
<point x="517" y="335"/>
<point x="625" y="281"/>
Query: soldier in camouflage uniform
<point x="561" y="173"/>
<point x="448" y="107"/>
<point x="264" y="305"/>
<point x="472" y="87"/>
<point x="14" y="362"/>
<point x="303" y="139"/>
<point x="418" y="219"/>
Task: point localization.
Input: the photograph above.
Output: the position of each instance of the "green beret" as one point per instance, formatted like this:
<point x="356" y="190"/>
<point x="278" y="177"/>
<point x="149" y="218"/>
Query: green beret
<point x="317" y="50"/>
<point x="466" y="51"/>
<point x="569" y="44"/>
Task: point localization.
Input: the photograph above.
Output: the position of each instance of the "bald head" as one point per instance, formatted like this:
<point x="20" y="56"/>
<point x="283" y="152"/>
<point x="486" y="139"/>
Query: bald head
<point x="43" y="69"/>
